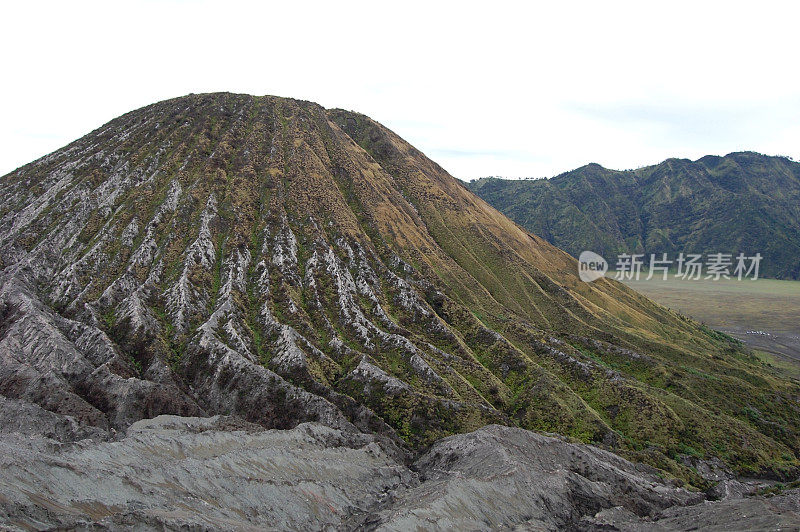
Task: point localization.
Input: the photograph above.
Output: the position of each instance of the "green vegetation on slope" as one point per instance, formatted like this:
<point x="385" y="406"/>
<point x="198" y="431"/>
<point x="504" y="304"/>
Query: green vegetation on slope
<point x="662" y="383"/>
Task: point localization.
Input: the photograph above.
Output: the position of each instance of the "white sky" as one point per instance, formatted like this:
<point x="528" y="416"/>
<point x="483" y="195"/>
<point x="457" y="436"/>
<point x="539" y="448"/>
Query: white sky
<point x="490" y="88"/>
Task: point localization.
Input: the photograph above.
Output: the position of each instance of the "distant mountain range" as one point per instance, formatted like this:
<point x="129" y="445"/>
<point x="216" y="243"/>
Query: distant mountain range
<point x="742" y="202"/>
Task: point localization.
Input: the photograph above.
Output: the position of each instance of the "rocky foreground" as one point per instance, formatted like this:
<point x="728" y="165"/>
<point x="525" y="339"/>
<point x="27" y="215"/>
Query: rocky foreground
<point x="175" y="472"/>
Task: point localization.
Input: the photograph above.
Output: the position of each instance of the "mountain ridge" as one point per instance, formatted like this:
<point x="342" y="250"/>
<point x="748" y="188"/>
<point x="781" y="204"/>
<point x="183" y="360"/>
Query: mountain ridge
<point x="743" y="202"/>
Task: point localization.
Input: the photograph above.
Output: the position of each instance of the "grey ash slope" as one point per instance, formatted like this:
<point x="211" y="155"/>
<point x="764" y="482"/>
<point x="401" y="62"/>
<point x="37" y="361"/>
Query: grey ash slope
<point x="178" y="473"/>
<point x="274" y="260"/>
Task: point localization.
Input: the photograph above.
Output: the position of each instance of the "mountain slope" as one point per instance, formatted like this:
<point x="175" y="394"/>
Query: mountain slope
<point x="743" y="202"/>
<point x="266" y="257"/>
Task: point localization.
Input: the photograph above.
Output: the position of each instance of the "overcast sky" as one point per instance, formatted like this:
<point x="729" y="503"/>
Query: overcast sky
<point x="489" y="88"/>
